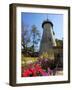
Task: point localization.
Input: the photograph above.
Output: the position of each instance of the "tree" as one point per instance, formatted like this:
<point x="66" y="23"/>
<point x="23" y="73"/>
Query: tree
<point x="30" y="39"/>
<point x="25" y="37"/>
<point x="35" y="37"/>
<point x="59" y="42"/>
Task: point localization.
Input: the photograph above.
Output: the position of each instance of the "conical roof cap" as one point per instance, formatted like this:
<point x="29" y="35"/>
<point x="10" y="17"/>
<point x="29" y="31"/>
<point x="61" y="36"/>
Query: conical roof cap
<point x="47" y="21"/>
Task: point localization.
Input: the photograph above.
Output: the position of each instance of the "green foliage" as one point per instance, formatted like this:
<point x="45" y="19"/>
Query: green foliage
<point x="59" y="42"/>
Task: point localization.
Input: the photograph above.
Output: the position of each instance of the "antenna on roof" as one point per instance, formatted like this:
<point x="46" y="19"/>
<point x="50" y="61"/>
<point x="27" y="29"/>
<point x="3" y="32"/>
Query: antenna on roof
<point x="47" y="16"/>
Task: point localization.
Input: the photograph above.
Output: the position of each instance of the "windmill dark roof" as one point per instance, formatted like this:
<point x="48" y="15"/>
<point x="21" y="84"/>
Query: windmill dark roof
<point x="47" y="21"/>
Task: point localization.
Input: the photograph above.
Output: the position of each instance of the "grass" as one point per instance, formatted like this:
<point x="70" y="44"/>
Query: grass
<point x="27" y="60"/>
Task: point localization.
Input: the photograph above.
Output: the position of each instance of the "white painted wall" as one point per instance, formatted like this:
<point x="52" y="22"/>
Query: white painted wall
<point x="4" y="45"/>
<point x="49" y="32"/>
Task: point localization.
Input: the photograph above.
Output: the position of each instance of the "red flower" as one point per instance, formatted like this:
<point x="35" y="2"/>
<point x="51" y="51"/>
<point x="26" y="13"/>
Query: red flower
<point x="36" y="70"/>
<point x="40" y="70"/>
<point x="33" y="70"/>
<point x="26" y="73"/>
<point x="37" y="67"/>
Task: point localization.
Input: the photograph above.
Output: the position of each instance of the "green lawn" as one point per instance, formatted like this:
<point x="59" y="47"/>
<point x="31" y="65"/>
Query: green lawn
<point x="26" y="60"/>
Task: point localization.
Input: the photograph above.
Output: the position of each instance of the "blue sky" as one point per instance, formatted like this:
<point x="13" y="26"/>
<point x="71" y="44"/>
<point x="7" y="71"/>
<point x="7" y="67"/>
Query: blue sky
<point x="37" y="19"/>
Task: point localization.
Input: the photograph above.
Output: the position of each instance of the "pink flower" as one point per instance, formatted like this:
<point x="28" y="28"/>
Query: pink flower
<point x="50" y="71"/>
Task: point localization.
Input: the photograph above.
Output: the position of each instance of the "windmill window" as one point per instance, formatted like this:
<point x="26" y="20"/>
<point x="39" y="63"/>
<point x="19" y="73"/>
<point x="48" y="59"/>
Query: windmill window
<point x="49" y="38"/>
<point x="53" y="33"/>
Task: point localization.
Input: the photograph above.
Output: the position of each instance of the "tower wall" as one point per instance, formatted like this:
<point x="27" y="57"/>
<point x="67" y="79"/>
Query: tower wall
<point x="48" y="40"/>
<point x="49" y="31"/>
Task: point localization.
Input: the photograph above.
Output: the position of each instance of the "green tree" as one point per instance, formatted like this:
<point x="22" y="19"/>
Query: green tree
<point x="59" y="42"/>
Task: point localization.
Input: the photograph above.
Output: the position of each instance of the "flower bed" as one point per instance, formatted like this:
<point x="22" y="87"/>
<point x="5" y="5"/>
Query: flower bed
<point x="42" y="67"/>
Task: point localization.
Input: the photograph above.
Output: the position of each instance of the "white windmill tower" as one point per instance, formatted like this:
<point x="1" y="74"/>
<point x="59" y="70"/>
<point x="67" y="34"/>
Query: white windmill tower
<point x="48" y="38"/>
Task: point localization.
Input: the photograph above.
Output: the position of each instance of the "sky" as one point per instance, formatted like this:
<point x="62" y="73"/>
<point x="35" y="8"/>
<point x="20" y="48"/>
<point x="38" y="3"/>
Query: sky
<point x="37" y="19"/>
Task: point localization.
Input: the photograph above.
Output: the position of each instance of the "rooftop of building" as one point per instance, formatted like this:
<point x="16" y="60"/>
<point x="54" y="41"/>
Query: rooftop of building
<point x="47" y="21"/>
